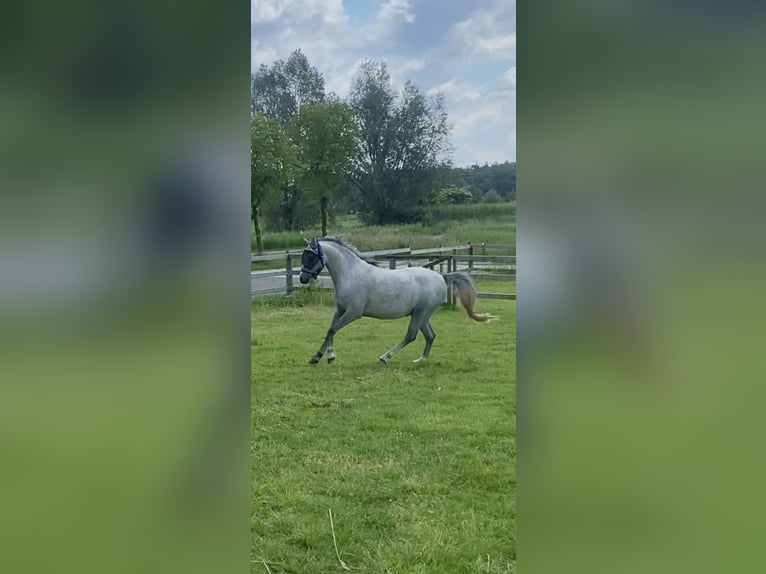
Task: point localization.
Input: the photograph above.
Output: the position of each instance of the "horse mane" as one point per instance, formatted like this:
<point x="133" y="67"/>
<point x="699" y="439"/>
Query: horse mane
<point x="343" y="242"/>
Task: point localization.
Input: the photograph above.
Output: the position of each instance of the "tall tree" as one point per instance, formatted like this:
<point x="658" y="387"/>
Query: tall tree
<point x="326" y="136"/>
<point x="273" y="162"/>
<point x="403" y="139"/>
<point x="279" y="91"/>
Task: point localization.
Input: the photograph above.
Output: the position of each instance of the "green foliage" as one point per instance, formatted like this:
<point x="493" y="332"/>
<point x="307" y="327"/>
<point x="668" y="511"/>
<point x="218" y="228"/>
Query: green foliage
<point x="382" y="154"/>
<point x="273" y="163"/>
<point x="491" y="197"/>
<point x="443" y="225"/>
<point x="417" y="463"/>
<point x="403" y="138"/>
<point x="437" y="213"/>
<point x="279" y="91"/>
<point x="500" y="177"/>
<point x="453" y="195"/>
<point x="326" y="137"/>
<point x="273" y="159"/>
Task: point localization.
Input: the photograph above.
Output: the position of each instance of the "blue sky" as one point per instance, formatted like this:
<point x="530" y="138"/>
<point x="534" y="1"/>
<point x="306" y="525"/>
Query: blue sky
<point x="465" y="49"/>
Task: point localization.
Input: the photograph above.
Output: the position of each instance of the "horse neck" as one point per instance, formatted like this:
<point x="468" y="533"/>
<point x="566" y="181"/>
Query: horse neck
<point x="338" y="258"/>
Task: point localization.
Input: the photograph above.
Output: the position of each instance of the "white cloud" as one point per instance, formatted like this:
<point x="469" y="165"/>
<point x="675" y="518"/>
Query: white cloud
<point x="499" y="46"/>
<point x="413" y="65"/>
<point x="456" y="91"/>
<point x="260" y="54"/>
<point x="396" y="11"/>
<point x="401" y="69"/>
<point x="510" y="76"/>
<point x="339" y="81"/>
<point x="510" y="80"/>
<point x="330" y="11"/>
<point x="266" y="10"/>
<point x="477" y="118"/>
<point x="485" y="33"/>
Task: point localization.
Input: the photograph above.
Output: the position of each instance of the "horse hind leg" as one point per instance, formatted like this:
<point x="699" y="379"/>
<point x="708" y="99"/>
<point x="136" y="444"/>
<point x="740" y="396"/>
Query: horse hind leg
<point x="430" y="335"/>
<point x="409" y="337"/>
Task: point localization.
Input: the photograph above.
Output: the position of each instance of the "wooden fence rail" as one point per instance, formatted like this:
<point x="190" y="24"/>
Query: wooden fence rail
<point x="479" y="266"/>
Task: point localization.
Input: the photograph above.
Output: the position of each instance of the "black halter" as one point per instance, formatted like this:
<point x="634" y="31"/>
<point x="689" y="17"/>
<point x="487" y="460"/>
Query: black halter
<point x="316" y="249"/>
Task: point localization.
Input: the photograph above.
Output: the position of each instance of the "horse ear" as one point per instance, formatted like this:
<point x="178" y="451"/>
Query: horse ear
<point x="307" y="242"/>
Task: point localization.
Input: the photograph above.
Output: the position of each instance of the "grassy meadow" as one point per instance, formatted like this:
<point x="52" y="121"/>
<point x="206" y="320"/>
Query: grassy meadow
<point x="488" y="223"/>
<point x="416" y="462"/>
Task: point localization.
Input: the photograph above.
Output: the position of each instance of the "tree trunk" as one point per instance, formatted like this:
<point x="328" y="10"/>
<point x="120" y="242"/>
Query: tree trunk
<point x="290" y="200"/>
<point x="323" y="204"/>
<point x="257" y="225"/>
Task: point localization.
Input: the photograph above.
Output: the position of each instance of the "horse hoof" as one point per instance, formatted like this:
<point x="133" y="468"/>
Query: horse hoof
<point x="330" y="359"/>
<point x="420" y="360"/>
<point x="314" y="360"/>
<point x="382" y="360"/>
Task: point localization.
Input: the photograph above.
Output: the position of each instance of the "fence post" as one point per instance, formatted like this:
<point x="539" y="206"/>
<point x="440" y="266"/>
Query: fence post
<point x="288" y="272"/>
<point x="470" y="258"/>
<point x="392" y="261"/>
<point x="454" y="268"/>
<point x="483" y="249"/>
<point x="441" y="265"/>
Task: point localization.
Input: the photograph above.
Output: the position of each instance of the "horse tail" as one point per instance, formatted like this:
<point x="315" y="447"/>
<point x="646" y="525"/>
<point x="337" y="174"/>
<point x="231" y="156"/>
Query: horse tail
<point x="466" y="293"/>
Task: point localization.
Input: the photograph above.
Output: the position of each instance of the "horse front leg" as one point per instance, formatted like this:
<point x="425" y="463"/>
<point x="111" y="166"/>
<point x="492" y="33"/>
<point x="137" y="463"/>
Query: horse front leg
<point x="329" y="341"/>
<point x="316" y="357"/>
<point x="340" y="320"/>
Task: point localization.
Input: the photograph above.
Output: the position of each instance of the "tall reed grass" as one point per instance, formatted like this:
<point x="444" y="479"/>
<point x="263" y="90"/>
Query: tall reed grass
<point x="443" y="225"/>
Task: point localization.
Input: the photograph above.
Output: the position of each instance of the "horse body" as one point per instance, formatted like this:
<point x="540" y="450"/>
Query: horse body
<point x="392" y="294"/>
<point x="364" y="290"/>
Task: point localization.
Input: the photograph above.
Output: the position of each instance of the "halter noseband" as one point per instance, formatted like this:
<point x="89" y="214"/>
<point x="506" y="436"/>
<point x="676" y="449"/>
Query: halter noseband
<point x="319" y="253"/>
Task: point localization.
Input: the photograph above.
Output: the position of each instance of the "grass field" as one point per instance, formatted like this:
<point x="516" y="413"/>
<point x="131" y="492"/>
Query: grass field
<point x="416" y="462"/>
<point x="415" y="235"/>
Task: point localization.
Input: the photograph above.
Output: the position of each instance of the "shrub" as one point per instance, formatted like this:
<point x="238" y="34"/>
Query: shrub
<point x="492" y="197"/>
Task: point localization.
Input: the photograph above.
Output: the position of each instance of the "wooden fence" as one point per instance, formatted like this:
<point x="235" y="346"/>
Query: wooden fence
<point x="482" y="261"/>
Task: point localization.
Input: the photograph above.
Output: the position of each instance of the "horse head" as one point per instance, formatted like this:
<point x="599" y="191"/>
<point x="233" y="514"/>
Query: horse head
<point x="312" y="261"/>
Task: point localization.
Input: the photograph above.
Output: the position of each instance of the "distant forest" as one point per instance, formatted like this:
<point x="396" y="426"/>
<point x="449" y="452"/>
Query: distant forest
<point x="482" y="179"/>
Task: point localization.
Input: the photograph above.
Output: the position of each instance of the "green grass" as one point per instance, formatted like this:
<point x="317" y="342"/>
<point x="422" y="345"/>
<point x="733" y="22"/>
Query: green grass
<point x="501" y="210"/>
<point x="449" y="224"/>
<point x="485" y="229"/>
<point x="416" y="462"/>
<point x="445" y="233"/>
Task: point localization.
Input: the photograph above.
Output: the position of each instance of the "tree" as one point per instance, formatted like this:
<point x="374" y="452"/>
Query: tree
<point x="326" y="137"/>
<point x="279" y="92"/>
<point x="480" y="179"/>
<point x="492" y="197"/>
<point x="454" y="195"/>
<point x="273" y="163"/>
<point x="403" y="139"/>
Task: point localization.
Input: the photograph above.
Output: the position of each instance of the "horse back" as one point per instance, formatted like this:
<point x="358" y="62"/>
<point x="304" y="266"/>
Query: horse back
<point x="398" y="293"/>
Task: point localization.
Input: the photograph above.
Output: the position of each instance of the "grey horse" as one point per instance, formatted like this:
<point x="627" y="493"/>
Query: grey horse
<point x="362" y="289"/>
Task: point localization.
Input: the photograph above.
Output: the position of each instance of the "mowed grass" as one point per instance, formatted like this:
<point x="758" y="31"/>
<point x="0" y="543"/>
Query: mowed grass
<point x="416" y="462"/>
